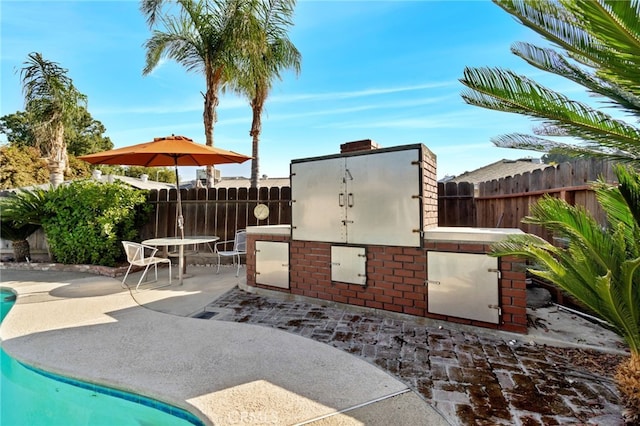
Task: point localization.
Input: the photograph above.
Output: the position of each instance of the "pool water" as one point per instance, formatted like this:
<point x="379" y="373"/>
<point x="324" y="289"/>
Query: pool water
<point x="37" y="398"/>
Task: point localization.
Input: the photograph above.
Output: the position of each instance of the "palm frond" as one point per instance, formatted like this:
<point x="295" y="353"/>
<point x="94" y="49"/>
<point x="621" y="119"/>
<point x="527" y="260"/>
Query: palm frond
<point x="151" y="9"/>
<point x="549" y="263"/>
<point x="597" y="33"/>
<point x="535" y="143"/>
<point x="630" y="191"/>
<point x="631" y="296"/>
<point x="25" y="206"/>
<point x="504" y="90"/>
<point x="551" y="61"/>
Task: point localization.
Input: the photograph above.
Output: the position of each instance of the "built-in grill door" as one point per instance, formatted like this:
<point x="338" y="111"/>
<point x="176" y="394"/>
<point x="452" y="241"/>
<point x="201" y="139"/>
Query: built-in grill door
<point x="272" y="263"/>
<point x="383" y="199"/>
<point x="368" y="198"/>
<point x="349" y="264"/>
<point x="463" y="285"/>
<point x="318" y="200"/>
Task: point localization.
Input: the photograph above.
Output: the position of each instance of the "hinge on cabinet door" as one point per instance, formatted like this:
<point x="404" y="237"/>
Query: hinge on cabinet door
<point x="335" y="263"/>
<point x="496" y="307"/>
<point x="344" y="222"/>
<point x="362" y="255"/>
<point x="432" y="282"/>
<point x="496" y="271"/>
<point x="415" y="163"/>
<point x="416" y="196"/>
<point x="257" y="251"/>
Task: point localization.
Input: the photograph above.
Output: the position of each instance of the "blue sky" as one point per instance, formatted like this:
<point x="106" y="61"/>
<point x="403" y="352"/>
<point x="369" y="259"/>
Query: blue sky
<point x="381" y="70"/>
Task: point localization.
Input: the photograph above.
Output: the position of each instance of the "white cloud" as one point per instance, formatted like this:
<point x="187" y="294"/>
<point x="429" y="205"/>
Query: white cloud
<point x="358" y="93"/>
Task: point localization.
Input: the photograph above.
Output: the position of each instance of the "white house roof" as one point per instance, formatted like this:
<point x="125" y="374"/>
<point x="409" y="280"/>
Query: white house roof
<point x="499" y="169"/>
<point x="133" y="182"/>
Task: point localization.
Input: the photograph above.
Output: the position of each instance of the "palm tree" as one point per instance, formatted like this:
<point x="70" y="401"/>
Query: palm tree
<point x="52" y="102"/>
<point x="600" y="50"/>
<point x="205" y="37"/>
<point x="599" y="268"/>
<point x="18" y="235"/>
<point x="272" y="53"/>
<point x="20" y="216"/>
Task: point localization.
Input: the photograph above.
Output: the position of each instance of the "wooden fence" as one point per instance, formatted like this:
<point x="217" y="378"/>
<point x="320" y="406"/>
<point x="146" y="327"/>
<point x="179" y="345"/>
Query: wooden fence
<point x="455" y="204"/>
<point x="505" y="202"/>
<point x="215" y="211"/>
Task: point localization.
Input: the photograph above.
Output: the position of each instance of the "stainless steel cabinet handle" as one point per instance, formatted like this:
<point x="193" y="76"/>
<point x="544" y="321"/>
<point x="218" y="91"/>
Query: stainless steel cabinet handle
<point x="350" y="199"/>
<point x="341" y="199"/>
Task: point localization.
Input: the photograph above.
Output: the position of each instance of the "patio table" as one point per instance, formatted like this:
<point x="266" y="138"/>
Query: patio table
<point x="180" y="243"/>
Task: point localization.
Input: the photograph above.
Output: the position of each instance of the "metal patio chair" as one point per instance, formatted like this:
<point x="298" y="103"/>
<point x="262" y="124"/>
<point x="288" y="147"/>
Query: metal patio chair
<point x="142" y="255"/>
<point x="239" y="248"/>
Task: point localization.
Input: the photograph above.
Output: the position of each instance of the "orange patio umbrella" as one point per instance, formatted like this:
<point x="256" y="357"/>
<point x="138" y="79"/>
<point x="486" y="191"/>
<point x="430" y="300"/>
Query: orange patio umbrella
<point x="167" y="151"/>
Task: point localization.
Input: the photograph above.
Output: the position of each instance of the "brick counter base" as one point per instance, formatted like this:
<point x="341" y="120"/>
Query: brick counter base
<point x="395" y="279"/>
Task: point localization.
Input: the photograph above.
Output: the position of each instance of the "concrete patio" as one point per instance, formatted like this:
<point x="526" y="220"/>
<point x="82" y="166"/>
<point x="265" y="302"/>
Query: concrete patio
<point x="299" y="361"/>
<point x="89" y="328"/>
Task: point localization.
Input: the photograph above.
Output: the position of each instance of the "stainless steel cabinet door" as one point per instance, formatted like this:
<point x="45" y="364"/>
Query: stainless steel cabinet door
<point x="349" y="265"/>
<point x="318" y="200"/>
<point x="383" y="206"/>
<point x="463" y="285"/>
<point x="272" y="263"/>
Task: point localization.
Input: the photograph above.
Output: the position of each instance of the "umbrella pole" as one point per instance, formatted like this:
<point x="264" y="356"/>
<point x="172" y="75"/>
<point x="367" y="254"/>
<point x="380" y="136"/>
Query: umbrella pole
<point x="181" y="262"/>
<point x="179" y="208"/>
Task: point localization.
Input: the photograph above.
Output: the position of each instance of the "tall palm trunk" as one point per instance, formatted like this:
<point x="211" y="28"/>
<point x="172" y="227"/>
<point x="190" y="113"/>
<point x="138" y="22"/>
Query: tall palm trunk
<point x="256" y="127"/>
<point x="57" y="161"/>
<point x="209" y="115"/>
<point x="628" y="382"/>
<point x="21" y="250"/>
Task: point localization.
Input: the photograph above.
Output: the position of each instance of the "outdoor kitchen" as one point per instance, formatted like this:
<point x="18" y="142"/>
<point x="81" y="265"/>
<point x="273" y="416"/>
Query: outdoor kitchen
<point x="364" y="232"/>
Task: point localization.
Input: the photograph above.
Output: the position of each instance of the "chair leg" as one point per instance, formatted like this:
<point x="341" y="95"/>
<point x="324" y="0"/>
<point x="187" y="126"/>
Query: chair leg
<point x="238" y="268"/>
<point x="218" y="271"/>
<point x="126" y="275"/>
<point x="142" y="276"/>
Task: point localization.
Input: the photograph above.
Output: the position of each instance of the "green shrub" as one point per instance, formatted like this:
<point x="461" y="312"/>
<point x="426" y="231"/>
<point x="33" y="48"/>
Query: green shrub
<point x="86" y="221"/>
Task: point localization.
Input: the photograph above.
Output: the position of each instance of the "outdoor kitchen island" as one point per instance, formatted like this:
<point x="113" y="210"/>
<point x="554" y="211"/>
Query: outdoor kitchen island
<point x="450" y="279"/>
<point x="364" y="232"/>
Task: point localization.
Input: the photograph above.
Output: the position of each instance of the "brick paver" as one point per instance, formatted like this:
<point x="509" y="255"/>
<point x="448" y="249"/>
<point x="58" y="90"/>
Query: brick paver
<point x="471" y="378"/>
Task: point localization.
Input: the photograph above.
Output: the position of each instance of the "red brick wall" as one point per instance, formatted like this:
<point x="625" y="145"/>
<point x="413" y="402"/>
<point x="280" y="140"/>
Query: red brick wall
<point x="395" y="279"/>
<point x="429" y="189"/>
<point x="355" y="146"/>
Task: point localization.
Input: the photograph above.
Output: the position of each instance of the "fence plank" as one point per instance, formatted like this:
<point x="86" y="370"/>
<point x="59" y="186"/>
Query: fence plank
<point x="285" y="205"/>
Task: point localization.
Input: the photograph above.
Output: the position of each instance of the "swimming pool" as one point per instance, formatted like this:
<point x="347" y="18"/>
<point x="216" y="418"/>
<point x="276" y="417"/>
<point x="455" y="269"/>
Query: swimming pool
<point x="38" y="398"/>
